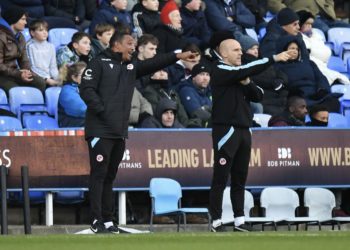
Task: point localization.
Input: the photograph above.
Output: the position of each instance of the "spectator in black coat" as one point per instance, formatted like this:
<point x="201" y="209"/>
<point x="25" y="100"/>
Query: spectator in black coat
<point x="169" y="33"/>
<point x="194" y="23"/>
<point x="304" y="75"/>
<point x="145" y="16"/>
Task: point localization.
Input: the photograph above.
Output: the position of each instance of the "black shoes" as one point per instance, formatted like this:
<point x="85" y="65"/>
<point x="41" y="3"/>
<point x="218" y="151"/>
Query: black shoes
<point x="98" y="227"/>
<point x="218" y="229"/>
<point x="243" y="228"/>
<point x="113" y="229"/>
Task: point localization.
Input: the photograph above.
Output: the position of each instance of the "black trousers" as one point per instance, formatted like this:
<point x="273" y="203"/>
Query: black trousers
<point x="7" y="82"/>
<point x="105" y="156"/>
<point x="232" y="148"/>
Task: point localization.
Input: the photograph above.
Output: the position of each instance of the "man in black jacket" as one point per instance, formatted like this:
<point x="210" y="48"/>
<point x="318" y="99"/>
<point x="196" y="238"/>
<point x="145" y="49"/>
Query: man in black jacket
<point x="232" y="90"/>
<point x="107" y="87"/>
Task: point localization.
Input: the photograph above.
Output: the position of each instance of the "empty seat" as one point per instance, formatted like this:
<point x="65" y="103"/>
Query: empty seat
<point x="61" y="36"/>
<point x="262" y="33"/>
<point x="338" y="36"/>
<point x="337" y="64"/>
<point x="3" y="100"/>
<point x="69" y="197"/>
<point x="9" y="124"/>
<point x="26" y="34"/>
<point x="26" y="100"/>
<point x="166" y="200"/>
<point x="39" y="122"/>
<point x="51" y="96"/>
<point x="320" y="203"/>
<point x="336" y="120"/>
<point x="252" y="34"/>
<point x="227" y="213"/>
<point x="262" y="119"/>
<point x="319" y="33"/>
<point x="280" y="203"/>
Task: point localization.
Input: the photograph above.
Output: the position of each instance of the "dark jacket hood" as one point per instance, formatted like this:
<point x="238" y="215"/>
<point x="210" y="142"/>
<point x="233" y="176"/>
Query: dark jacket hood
<point x="284" y="41"/>
<point x="164" y="105"/>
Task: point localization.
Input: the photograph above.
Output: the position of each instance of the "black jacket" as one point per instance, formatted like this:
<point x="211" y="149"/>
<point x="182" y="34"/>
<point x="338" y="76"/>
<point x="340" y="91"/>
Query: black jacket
<point x="145" y="20"/>
<point x="231" y="98"/>
<point x="107" y="87"/>
<point x="169" y="39"/>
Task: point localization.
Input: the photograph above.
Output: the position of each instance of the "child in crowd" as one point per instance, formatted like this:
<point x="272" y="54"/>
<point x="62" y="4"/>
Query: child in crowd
<point x="103" y="33"/>
<point x="71" y="108"/>
<point x="41" y="53"/>
<point x="79" y="49"/>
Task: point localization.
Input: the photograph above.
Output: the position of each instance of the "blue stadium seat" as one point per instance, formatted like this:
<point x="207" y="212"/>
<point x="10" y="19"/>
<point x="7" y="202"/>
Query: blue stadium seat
<point x="252" y="34"/>
<point x="3" y="100"/>
<point x="343" y="89"/>
<point x="36" y="197"/>
<point x="9" y="124"/>
<point x="337" y="120"/>
<point x="166" y="200"/>
<point x="337" y="64"/>
<point x="319" y="33"/>
<point x="39" y="122"/>
<point x="268" y="16"/>
<point x="69" y="197"/>
<point x="338" y="36"/>
<point x="262" y="119"/>
<point x="61" y="36"/>
<point x="26" y="34"/>
<point x="262" y="33"/>
<point x="26" y="100"/>
<point x="51" y="96"/>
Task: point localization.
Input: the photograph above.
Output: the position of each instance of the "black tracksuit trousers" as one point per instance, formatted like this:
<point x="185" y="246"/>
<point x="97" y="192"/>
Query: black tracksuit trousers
<point x="232" y="148"/>
<point x="105" y="156"/>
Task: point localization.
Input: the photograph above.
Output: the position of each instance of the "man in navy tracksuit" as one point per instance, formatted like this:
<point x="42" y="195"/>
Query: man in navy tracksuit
<point x="107" y="87"/>
<point x="232" y="90"/>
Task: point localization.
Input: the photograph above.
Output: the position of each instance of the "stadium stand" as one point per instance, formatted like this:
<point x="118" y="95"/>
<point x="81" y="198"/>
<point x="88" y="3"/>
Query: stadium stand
<point x="166" y="197"/>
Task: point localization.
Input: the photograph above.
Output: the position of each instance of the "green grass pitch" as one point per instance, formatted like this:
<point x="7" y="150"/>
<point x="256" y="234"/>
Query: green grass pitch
<point x="330" y="240"/>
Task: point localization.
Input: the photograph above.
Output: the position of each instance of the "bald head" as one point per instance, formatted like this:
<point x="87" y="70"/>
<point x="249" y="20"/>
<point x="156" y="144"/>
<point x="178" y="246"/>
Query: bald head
<point x="231" y="52"/>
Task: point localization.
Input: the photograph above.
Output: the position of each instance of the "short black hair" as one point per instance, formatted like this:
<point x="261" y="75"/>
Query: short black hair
<point x="317" y="108"/>
<point x="293" y="99"/>
<point x="77" y="36"/>
<point x="117" y="37"/>
<point x="192" y="47"/>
